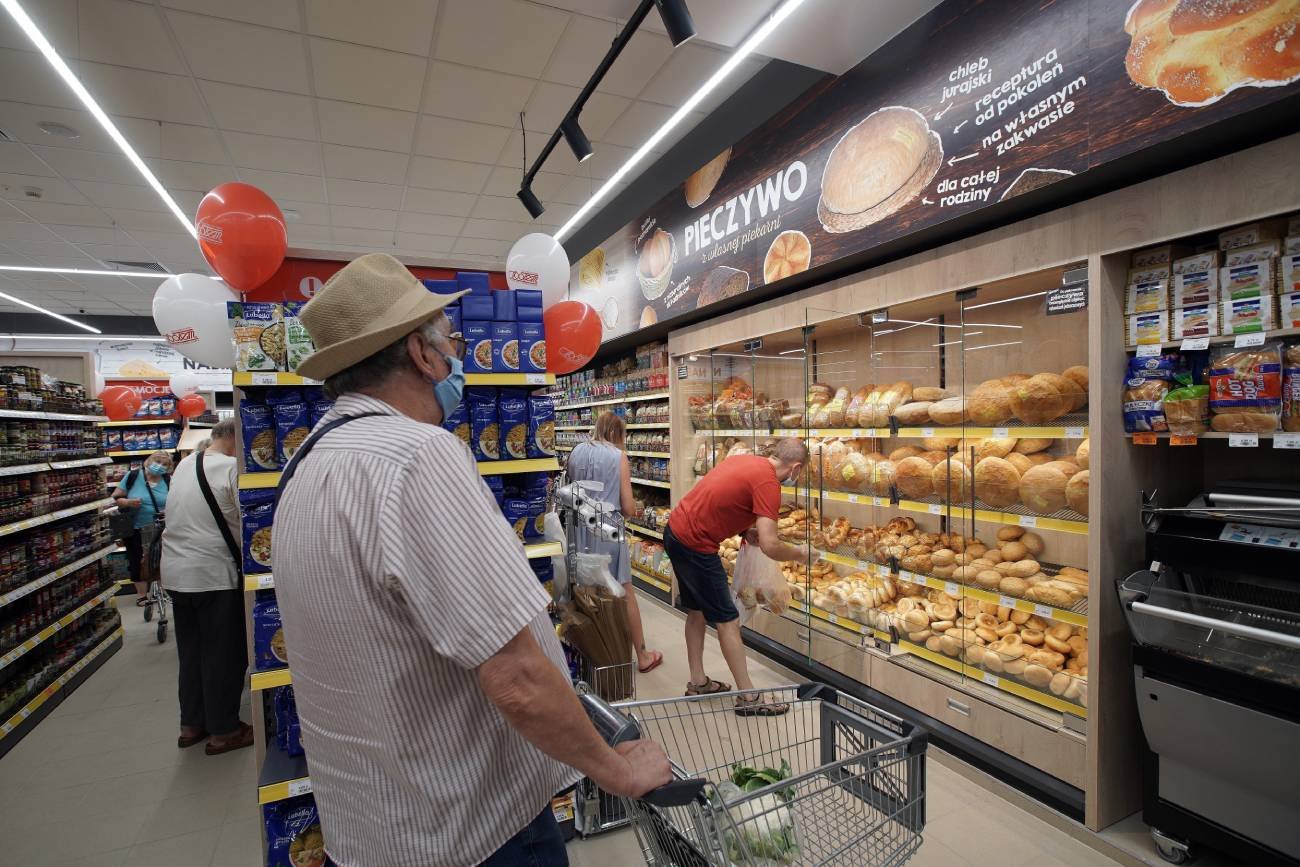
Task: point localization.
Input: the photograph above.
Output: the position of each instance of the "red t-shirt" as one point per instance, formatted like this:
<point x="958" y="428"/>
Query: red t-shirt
<point x="726" y="502"/>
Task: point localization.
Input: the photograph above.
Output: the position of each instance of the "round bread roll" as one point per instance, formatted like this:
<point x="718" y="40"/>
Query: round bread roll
<point x="1016" y="550"/>
<point x="994" y="556"/>
<point x="1037" y="400"/>
<point x="1059" y="682"/>
<point x="1032" y="445"/>
<point x="930" y="393"/>
<point x="1008" y="534"/>
<point x="1081" y="454"/>
<point x="944" y="571"/>
<point x="994" y="448"/>
<point x="1013" y="378"/>
<point x="1076" y="397"/>
<point x="933" y="643"/>
<point x="977" y="549"/>
<point x="989" y="579"/>
<point x="1038" y="675"/>
<point x="943" y="557"/>
<point x="913" y="478"/>
<point x="1033" y="543"/>
<point x="903" y="452"/>
<point x="1056" y="644"/>
<point x="916" y="620"/>
<point x="882" y="478"/>
<point x="1042" y="489"/>
<point x="997" y="482"/>
<point x="934" y="457"/>
<point x="1015" y="666"/>
<point x="990" y="407"/>
<point x="950" y="411"/>
<point x="1038" y="458"/>
<point x="855" y="472"/>
<point x="1012" y="586"/>
<point x="1022" y="463"/>
<point x="1065" y="465"/>
<point x="1032" y="637"/>
<point x="1078" y="374"/>
<point x="941" y="444"/>
<point x="951" y="480"/>
<point x="914" y="413"/>
<point x="1076" y="492"/>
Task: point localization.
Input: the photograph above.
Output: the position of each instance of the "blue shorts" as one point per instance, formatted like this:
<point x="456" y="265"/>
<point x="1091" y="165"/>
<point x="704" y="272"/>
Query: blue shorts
<point x="701" y="581"/>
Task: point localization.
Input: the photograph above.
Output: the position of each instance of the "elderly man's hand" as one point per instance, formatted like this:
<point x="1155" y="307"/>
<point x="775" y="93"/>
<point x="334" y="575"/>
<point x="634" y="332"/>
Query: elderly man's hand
<point x="647" y="768"/>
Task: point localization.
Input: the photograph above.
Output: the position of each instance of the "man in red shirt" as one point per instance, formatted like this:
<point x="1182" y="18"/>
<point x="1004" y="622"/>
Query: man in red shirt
<point x="740" y="495"/>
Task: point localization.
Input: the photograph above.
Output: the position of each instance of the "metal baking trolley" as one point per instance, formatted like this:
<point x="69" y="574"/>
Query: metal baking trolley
<point x="854" y="793"/>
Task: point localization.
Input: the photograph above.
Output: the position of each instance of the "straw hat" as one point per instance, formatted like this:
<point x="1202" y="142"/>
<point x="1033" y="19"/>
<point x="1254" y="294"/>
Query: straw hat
<point x="373" y="301"/>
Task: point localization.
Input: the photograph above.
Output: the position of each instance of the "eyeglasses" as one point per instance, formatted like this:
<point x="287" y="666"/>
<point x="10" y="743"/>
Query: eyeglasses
<point x="460" y="346"/>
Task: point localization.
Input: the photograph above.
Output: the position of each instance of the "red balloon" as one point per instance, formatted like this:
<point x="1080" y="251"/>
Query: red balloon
<point x="573" y="331"/>
<point x="241" y="234"/>
<point x="120" y="402"/>
<point x="191" y="405"/>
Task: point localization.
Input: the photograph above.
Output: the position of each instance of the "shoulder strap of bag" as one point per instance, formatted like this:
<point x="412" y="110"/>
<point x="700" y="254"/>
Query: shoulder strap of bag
<point x="148" y="487"/>
<point x="308" y="445"/>
<point x="211" y="500"/>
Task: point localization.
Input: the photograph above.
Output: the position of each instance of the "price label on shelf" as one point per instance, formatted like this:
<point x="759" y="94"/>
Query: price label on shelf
<point x="1286" y="441"/>
<point x="265" y="581"/>
<point x="880" y="501"/>
<point x="990" y="679"/>
<point x="859" y="433"/>
<point x="535" y="378"/>
<point x="1006" y="602"/>
<point x="1148" y="350"/>
<point x="1001" y="433"/>
<point x="1027" y="520"/>
<point x="852" y="498"/>
<point x="904" y="575"/>
<point x="1181" y="440"/>
<point x="1245" y="340"/>
<point x="951" y="588"/>
<point x="1144" y="438"/>
<point x="927" y="431"/>
<point x="934" y="509"/>
<point x="1191" y="343"/>
<point x="1074" y="433"/>
<point x="1042" y="611"/>
<point x="831" y="618"/>
<point x="299" y="787"/>
<point x="1243" y="441"/>
<point x="263" y="378"/>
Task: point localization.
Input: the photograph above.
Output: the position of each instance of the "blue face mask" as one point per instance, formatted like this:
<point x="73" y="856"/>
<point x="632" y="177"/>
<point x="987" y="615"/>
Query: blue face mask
<point x="450" y="388"/>
<point x="157" y="469"/>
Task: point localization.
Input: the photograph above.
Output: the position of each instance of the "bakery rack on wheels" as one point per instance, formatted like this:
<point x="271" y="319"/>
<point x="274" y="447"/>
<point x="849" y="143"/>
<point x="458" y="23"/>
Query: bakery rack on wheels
<point x="855" y="793"/>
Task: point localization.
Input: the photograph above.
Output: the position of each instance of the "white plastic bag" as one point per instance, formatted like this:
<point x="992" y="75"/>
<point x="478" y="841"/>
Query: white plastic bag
<point x="553" y="531"/>
<point x="593" y="571"/>
<point x="758" y="581"/>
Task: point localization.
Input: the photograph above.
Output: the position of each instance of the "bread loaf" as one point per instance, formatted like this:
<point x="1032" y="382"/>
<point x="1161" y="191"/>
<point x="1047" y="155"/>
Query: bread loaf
<point x="1038" y="400"/>
<point x="913" y="478"/>
<point x="1022" y="463"/>
<point x="890" y="399"/>
<point x="1076" y="492"/>
<point x="930" y="393"/>
<point x="950" y="412"/>
<point x="951" y="481"/>
<point x="1042" y="489"/>
<point x="1031" y="445"/>
<point x="997" y="482"/>
<point x="1291" y="388"/>
<point x="903" y="452"/>
<point x="915" y="413"/>
<point x="853" y="410"/>
<point x="1081" y="454"/>
<point x="994" y="447"/>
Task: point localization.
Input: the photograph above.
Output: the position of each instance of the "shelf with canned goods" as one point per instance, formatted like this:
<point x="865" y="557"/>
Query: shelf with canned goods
<point x="138" y="422"/>
<point x="533" y="465"/>
<point x="653" y="483"/>
<point x="259" y="581"/>
<point x="37" y="415"/>
<point x="58" y="625"/>
<point x="28" y="523"/>
<point x="260" y="680"/>
<point x="282" y="776"/>
<point x="62" y="572"/>
<point x="37" y="707"/>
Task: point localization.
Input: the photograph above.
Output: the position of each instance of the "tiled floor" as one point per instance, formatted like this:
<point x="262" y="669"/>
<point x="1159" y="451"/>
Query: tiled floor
<point x="101" y="782"/>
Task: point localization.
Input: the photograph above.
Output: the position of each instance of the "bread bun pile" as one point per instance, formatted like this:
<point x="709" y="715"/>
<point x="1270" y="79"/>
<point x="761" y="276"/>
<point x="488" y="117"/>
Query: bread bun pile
<point x="1037" y="399"/>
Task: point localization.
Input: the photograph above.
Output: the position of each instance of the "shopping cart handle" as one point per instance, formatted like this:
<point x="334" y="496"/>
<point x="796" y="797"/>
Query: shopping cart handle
<point x="678" y="793"/>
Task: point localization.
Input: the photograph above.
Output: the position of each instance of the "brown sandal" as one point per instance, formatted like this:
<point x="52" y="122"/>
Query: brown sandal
<point x="755" y="706"/>
<point x="244" y="738"/>
<point x="709" y="687"/>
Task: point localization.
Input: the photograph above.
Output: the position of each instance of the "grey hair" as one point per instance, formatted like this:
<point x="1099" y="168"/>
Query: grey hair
<point x="375" y="370"/>
<point x="160" y="456"/>
<point x="791" y="451"/>
<point x="223" y="429"/>
<point x="203" y="444"/>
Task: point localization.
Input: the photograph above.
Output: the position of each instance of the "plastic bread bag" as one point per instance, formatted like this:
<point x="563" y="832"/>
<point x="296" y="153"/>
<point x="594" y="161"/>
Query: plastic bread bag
<point x="593" y="571"/>
<point x="1147" y="382"/>
<point x="1291" y="388"/>
<point x="1187" y="410"/>
<point x="758" y="581"/>
<point x="1246" y="389"/>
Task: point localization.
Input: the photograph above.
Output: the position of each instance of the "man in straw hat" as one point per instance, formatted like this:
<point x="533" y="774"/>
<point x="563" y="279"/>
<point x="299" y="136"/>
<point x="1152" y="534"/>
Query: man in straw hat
<point x="435" y="702"/>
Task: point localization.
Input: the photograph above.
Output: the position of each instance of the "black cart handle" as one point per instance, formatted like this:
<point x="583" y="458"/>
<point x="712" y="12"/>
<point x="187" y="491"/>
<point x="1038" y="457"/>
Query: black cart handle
<point x="617" y="728"/>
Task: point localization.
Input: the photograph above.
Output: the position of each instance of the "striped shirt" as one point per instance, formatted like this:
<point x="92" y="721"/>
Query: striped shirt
<point x="396" y="577"/>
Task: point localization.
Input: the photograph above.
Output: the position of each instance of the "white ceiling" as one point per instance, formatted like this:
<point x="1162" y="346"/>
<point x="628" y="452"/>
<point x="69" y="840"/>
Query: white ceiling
<point x="385" y="125"/>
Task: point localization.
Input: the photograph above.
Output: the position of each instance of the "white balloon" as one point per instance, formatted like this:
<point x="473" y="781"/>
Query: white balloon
<point x="184" y="382"/>
<point x="190" y="312"/>
<point x="537" y="261"/>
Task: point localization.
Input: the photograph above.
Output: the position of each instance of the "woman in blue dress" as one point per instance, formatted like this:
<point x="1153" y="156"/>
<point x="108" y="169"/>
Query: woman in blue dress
<point x="144" y="493"/>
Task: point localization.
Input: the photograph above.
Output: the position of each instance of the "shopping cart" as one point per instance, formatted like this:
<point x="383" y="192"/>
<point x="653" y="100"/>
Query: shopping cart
<point x="855" y="794"/>
<point x="595" y="810"/>
<point x="151" y="571"/>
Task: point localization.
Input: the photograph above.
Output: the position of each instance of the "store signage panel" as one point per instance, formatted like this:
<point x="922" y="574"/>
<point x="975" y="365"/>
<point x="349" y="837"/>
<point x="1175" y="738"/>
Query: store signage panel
<point x="1068" y="299"/>
<point x="299" y="279"/>
<point x="141" y="360"/>
<point x="975" y="104"/>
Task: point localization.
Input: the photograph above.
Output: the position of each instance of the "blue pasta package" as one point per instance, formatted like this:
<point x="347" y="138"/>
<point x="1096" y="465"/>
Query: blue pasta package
<point x="485" y="439"/>
<point x="258" y="429"/>
<point x="268" y="634"/>
<point x="293" y="834"/>
<point x="256" y="520"/>
<point x="288" y="730"/>
<point x="292" y="424"/>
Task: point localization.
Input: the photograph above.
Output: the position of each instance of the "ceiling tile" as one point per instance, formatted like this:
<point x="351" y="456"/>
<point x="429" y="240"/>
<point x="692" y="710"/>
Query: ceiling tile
<point x="26" y="77"/>
<point x="57" y="20"/>
<point x="364" y="164"/>
<point x="74" y="215"/>
<point x="561" y="160"/>
<point x="16" y="228"/>
<point x="551" y="102"/>
<point x="270" y="13"/>
<point x="347" y="123"/>
<point x="283" y="185"/>
<point x="300" y="234"/>
<point x="89" y="165"/>
<point x="429" y="224"/>
<point x="584" y="45"/>
<point x="577" y="191"/>
<point x="747" y="69"/>
<point x="190" y="143"/>
<point x="312" y="213"/>
<point x="252" y="109"/>
<point x="608" y="159"/>
<point x="438" y="202"/>
<point x="424" y="244"/>
<point x="637" y="124"/>
<point x="51" y="249"/>
<point x="476" y="94"/>
<point x="688" y="67"/>
<point x="481" y="247"/>
<point x="176" y="175"/>
<point x="363" y="218"/>
<point x="186" y="200"/>
<point x="448" y="174"/>
<point x="171" y="237"/>
<point x="356" y="73"/>
<point x="19" y="120"/>
<point x="240" y="53"/>
<point x="273" y="154"/>
<point x="402" y="25"/>
<point x="91" y="234"/>
<point x="114" y="31"/>
<point x="496" y="230"/>
<point x="134" y="196"/>
<point x="363" y="194"/>
<point x="363" y="237"/>
<point x="505" y="35"/>
<point x="151" y="221"/>
<point x="139" y="93"/>
<point x="505" y="181"/>
<point x="16" y="187"/>
<point x="16" y="159"/>
<point x="498" y="208"/>
<point x="459" y="139"/>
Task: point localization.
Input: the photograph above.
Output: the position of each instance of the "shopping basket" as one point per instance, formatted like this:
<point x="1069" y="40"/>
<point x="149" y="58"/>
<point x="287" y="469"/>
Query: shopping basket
<point x="855" y="794"/>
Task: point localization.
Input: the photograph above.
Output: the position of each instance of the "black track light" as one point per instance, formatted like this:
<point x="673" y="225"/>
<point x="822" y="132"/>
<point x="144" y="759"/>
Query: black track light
<point x="577" y="139"/>
<point x="677" y="20"/>
<point x="531" y="202"/>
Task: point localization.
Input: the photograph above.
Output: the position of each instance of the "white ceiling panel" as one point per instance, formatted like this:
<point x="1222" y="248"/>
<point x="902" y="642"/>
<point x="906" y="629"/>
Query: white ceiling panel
<point x="273" y="154"/>
<point x="75" y="215"/>
<point x="18" y="160"/>
<point x="90" y="234"/>
<point x="133" y="196"/>
<point x="182" y="142"/>
<point x="313" y="213"/>
<point x="560" y="161"/>
<point x="452" y="175"/>
<point x="475" y="94"/>
<point x="270" y="13"/>
<point x="438" y="202"/>
<point x="363" y="218"/>
<point x="256" y="110"/>
<point x="401" y="25"/>
<point x="177" y="175"/>
<point x="363" y="194"/>
<point x="505" y="35"/>
<point x="459" y="139"/>
<point x="300" y="233"/>
<point x="17" y="188"/>
<point x="119" y="252"/>
<point x="640" y="60"/>
<point x="169" y="237"/>
<point x="576" y="191"/>
<point x="363" y="164"/>
<point x="139" y="93"/>
<point x="481" y="247"/>
<point x="505" y="181"/>
<point x="239" y="53"/>
<point x="347" y="123"/>
<point x="430" y="224"/>
<point x="499" y="208"/>
<point x="606" y="160"/>
<point x="57" y="20"/>
<point x="112" y="31"/>
<point x="357" y="73"/>
<point x="496" y="230"/>
<point x="552" y="101"/>
<point x="363" y="237"/>
<point x="681" y="75"/>
<point x="284" y="185"/>
<point x="111" y="168"/>
<point x="424" y="244"/>
<point x="637" y="124"/>
<point x="17" y="229"/>
<point x="26" y="77"/>
<point x="20" y="121"/>
<point x="149" y="221"/>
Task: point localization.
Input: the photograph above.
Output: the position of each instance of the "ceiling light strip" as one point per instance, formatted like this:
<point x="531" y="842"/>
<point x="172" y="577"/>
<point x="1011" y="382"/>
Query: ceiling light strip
<point x="84" y="272"/>
<point x="711" y="84"/>
<point x="103" y="338"/>
<point x="34" y="33"/>
<point x="6" y="296"/>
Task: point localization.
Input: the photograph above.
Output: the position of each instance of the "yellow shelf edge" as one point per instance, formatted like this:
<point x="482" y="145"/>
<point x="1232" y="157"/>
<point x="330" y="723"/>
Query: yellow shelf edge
<point x="37" y="520"/>
<point x="534" y="379"/>
<point x="259" y="581"/>
<point x="533" y="465"/>
<point x="650" y="454"/>
<point x="51" y="629"/>
<point x="259" y="680"/>
<point x="135" y="453"/>
<point x="652" y="580"/>
<point x="49" y="578"/>
<point x="644" y="531"/>
<point x="250" y="481"/>
<point x="263" y="378"/>
<point x="137" y="422"/>
<point x="543" y="549"/>
<point x="35" y="702"/>
<point x="654" y="483"/>
<point x="649" y="425"/>
<point x="1005" y="684"/>
<point x="273" y="792"/>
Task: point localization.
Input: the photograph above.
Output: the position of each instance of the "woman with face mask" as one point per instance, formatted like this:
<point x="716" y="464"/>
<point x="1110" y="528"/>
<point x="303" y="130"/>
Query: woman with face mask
<point x="143" y="492"/>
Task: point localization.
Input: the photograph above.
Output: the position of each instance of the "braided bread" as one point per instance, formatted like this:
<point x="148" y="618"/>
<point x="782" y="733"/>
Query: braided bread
<point x="1198" y="50"/>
